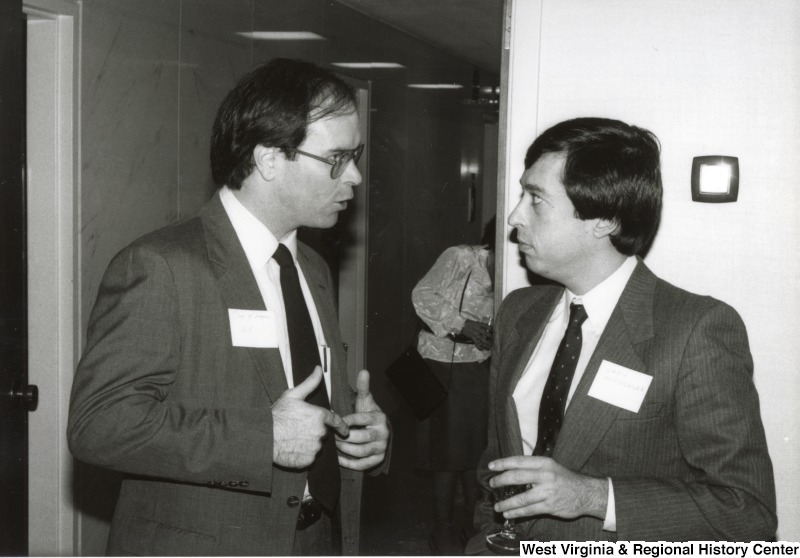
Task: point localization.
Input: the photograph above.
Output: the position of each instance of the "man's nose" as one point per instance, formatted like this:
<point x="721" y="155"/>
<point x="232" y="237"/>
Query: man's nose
<point x="514" y="219"/>
<point x="351" y="174"/>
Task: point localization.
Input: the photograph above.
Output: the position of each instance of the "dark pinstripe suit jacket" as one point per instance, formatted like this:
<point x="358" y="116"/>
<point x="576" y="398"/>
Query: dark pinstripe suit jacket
<point x="692" y="464"/>
<point x="161" y="394"/>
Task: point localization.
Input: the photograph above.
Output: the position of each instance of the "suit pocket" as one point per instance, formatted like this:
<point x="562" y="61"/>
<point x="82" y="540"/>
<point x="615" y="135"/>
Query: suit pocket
<point x="143" y="537"/>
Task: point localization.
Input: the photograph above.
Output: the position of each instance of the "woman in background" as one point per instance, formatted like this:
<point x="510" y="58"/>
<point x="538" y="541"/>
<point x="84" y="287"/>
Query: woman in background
<point x="455" y="300"/>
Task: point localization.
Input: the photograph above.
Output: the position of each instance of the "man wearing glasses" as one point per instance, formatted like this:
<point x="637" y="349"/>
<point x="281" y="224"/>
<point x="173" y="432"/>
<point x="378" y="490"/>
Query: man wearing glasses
<point x="214" y="375"/>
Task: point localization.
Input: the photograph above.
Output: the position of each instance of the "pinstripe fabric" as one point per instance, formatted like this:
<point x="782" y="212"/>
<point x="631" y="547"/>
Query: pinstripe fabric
<point x="692" y="464"/>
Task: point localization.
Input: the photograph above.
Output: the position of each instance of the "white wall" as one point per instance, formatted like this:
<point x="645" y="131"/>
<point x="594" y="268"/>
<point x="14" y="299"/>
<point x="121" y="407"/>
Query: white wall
<point x="717" y="77"/>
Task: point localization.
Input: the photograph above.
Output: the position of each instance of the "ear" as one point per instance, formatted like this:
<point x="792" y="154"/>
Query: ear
<point x="604" y="227"/>
<point x="265" y="159"/>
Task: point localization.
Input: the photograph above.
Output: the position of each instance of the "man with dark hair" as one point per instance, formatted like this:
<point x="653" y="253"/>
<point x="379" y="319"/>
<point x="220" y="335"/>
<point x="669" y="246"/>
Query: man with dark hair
<point x="214" y="375"/>
<point x="622" y="407"/>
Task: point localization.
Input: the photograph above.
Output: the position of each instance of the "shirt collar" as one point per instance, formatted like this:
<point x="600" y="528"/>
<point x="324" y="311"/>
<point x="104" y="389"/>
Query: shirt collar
<point x="257" y="240"/>
<point x="600" y="302"/>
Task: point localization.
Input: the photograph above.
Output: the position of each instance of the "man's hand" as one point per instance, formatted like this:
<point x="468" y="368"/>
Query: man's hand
<point x="555" y="490"/>
<point x="299" y="427"/>
<point x="369" y="431"/>
<point x="479" y="332"/>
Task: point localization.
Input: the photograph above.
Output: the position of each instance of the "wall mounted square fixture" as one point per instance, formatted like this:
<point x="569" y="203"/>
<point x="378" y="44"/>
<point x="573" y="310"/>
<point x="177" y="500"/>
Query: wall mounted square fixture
<point x="715" y="179"/>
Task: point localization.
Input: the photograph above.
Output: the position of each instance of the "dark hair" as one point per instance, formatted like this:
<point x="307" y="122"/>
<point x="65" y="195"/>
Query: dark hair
<point x="273" y="106"/>
<point x="612" y="171"/>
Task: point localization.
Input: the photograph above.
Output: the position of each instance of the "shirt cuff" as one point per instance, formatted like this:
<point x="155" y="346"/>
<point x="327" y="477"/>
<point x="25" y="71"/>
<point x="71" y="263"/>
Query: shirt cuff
<point x="610" y="522"/>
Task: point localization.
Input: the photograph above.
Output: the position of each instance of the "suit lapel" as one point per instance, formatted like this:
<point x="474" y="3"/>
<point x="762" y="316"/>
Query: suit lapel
<point x="239" y="289"/>
<point x="631" y="323"/>
<point x="516" y="355"/>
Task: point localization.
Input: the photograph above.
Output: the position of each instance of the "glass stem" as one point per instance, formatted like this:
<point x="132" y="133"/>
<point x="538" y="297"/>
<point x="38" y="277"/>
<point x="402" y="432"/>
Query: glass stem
<point x="508" y="529"/>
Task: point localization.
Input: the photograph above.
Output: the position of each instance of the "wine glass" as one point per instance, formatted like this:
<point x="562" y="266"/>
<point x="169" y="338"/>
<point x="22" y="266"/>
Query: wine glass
<point x="506" y="540"/>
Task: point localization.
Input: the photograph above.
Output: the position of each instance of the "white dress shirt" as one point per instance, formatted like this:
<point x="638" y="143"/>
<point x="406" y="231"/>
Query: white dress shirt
<point x="259" y="245"/>
<point x="599" y="303"/>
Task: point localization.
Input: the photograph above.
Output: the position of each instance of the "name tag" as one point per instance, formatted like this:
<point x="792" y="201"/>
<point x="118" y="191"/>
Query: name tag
<point x="253" y="328"/>
<point x="620" y="386"/>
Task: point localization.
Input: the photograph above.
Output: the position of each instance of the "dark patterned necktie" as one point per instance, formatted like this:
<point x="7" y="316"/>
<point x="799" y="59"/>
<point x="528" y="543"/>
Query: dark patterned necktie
<point x="554" y="396"/>
<point x="323" y="477"/>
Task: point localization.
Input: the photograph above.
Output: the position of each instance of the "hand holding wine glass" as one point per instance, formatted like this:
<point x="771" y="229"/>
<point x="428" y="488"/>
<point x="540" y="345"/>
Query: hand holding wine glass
<point x="555" y="490"/>
<point x="506" y="540"/>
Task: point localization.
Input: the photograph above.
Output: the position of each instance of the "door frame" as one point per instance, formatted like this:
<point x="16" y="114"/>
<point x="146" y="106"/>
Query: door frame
<point x="352" y="295"/>
<point x="53" y="172"/>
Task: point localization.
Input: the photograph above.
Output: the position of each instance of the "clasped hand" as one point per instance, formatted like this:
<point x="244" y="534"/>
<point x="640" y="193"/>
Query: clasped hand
<point x="554" y="489"/>
<point x="479" y="332"/>
<point x="299" y="428"/>
<point x="365" y="447"/>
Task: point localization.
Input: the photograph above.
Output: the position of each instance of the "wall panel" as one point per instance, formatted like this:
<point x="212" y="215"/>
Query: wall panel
<point x="129" y="119"/>
<point x="213" y="56"/>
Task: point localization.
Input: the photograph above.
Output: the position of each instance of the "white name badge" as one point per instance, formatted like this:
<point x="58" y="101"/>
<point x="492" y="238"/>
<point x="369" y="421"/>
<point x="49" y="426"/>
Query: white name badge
<point x="620" y="386"/>
<point x="253" y="328"/>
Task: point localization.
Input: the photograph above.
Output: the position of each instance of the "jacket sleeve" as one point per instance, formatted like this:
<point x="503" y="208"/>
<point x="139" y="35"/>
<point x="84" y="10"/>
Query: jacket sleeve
<point x="121" y="416"/>
<point x="718" y="426"/>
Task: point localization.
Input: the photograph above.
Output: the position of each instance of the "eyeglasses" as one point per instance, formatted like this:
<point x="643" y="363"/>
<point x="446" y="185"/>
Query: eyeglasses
<point x="337" y="162"/>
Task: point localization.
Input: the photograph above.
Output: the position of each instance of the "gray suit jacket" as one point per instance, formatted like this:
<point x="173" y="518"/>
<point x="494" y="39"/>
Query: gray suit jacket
<point x="162" y="395"/>
<point x="692" y="464"/>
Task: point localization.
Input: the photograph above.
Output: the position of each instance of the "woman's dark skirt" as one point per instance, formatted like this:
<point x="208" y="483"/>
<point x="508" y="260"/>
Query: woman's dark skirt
<point x="454" y="436"/>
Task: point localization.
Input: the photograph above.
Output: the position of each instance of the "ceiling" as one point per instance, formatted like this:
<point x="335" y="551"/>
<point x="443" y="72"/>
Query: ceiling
<point x="469" y="29"/>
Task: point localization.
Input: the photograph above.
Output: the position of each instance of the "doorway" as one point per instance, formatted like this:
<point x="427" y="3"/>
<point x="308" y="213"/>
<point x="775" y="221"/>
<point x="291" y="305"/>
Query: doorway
<point x="51" y="215"/>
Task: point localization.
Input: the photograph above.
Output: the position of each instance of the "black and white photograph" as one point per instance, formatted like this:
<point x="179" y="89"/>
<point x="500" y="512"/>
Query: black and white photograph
<point x="399" y="277"/>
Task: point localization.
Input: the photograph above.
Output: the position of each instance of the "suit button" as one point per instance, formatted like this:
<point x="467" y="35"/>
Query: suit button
<point x="244" y="484"/>
<point x="293" y="501"/>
